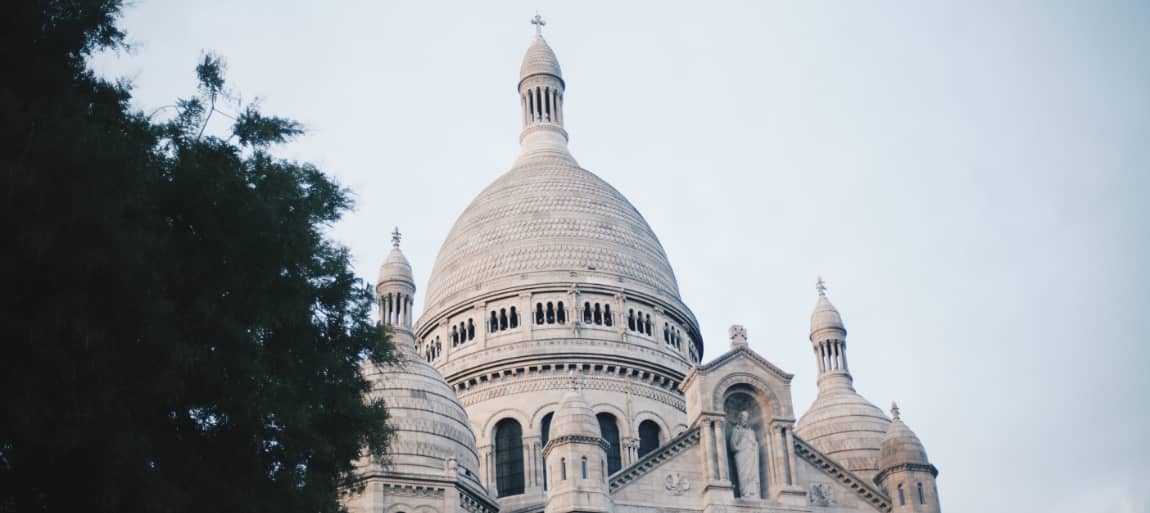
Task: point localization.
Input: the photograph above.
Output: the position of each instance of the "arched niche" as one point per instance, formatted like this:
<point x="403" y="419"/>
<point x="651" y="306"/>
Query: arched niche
<point x="736" y="399"/>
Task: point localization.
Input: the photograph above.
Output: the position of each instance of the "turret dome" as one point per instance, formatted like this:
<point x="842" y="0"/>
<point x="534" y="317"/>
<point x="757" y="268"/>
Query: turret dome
<point x="574" y="417"/>
<point x="540" y="58"/>
<point x="396" y="267"/>
<point x="900" y="445"/>
<point x="825" y="316"/>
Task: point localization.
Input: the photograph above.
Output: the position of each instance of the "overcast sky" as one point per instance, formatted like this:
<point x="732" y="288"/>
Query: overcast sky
<point x="970" y="178"/>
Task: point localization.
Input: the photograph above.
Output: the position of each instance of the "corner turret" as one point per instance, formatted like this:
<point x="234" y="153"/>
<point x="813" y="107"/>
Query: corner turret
<point x="576" y="458"/>
<point x="906" y="475"/>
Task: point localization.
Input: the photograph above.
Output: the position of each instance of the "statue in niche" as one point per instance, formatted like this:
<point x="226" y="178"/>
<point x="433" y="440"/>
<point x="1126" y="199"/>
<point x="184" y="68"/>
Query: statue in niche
<point x="745" y="450"/>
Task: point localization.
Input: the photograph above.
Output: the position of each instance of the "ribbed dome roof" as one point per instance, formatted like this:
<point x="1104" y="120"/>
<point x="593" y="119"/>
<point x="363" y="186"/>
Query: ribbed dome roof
<point x="574" y="417"/>
<point x="548" y="215"/>
<point x="429" y="423"/>
<point x="396" y="268"/>
<point x="826" y="316"/>
<point x="900" y="445"/>
<point x="540" y="58"/>
<point x="845" y="426"/>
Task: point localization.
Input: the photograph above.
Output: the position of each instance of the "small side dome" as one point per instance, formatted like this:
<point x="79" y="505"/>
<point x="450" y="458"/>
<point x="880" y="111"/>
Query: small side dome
<point x="845" y="426"/>
<point x="430" y="426"/>
<point x="574" y="416"/>
<point x="396" y="267"/>
<point x="540" y="60"/>
<point x="825" y="316"/>
<point x="900" y="445"/>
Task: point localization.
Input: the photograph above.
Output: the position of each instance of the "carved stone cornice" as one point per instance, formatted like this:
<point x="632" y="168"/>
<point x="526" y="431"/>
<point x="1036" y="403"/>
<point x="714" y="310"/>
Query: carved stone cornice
<point x="908" y="467"/>
<point x="575" y="439"/>
<point x="532" y="378"/>
<point x="865" y="491"/>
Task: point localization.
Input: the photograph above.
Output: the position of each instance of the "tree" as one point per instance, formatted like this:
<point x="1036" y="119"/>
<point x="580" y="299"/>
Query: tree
<point x="179" y="334"/>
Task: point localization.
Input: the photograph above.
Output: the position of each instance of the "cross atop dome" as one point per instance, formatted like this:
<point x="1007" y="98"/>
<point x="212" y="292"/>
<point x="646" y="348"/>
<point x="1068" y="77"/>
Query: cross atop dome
<point x="821" y="286"/>
<point x="539" y="23"/>
<point x="395" y="237"/>
<point x="894" y="410"/>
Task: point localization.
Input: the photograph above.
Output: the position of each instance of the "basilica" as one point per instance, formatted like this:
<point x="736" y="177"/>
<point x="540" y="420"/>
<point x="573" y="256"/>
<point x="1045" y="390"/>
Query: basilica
<point x="555" y="368"/>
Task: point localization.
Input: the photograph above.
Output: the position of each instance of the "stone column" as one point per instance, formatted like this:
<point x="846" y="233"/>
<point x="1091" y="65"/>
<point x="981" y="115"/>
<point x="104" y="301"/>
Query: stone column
<point x="720" y="431"/>
<point x="789" y="455"/>
<point x="710" y="448"/>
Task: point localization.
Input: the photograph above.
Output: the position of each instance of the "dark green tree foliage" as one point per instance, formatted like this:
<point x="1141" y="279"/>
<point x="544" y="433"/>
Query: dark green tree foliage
<point x="179" y="335"/>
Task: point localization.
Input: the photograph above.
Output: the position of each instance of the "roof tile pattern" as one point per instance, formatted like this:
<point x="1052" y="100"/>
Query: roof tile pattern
<point x="548" y="214"/>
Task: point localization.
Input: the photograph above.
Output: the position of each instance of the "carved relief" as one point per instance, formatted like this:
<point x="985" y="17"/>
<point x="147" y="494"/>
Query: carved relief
<point x="676" y="483"/>
<point x="821" y="494"/>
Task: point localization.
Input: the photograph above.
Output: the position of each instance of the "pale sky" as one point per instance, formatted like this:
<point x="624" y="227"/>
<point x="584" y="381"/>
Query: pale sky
<point x="969" y="177"/>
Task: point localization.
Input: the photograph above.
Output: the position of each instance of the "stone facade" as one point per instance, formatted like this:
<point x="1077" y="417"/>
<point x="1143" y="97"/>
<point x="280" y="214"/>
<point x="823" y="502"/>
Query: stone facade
<point x="556" y="369"/>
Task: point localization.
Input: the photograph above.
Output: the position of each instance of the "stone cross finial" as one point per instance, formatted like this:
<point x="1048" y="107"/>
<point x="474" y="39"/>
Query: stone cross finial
<point x="395" y="236"/>
<point x="738" y="335"/>
<point x="539" y="23"/>
<point x="894" y="410"/>
<point x="821" y="286"/>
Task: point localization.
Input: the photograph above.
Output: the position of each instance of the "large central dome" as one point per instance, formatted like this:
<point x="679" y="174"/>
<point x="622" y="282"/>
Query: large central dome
<point x="545" y="215"/>
<point x="547" y="219"/>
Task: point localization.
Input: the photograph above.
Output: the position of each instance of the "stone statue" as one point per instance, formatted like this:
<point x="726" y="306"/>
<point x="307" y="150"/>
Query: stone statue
<point x="745" y="449"/>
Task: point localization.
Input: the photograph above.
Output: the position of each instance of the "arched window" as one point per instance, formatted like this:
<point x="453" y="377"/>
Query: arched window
<point x="470" y="330"/>
<point x="538" y="313"/>
<point x="514" y="318"/>
<point x="648" y="437"/>
<point x="584" y="467"/>
<point x="550" y="313"/>
<point x="631" y="319"/>
<point x="610" y="431"/>
<point x="921" y="497"/>
<point x="531" y="103"/>
<point x="648" y="324"/>
<point x="607" y="315"/>
<point x="666" y="334"/>
<point x="598" y="315"/>
<point x="560" y="313"/>
<point x="587" y="313"/>
<point x="545" y="435"/>
<point x="563" y="468"/>
<point x="494" y="324"/>
<point x="502" y="319"/>
<point x="454" y="336"/>
<point x="547" y="102"/>
<point x="901" y="496"/>
<point x="509" y="457"/>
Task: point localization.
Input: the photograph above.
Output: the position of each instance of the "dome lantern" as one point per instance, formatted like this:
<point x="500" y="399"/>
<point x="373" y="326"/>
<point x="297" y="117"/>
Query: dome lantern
<point x="395" y="289"/>
<point x="840" y="423"/>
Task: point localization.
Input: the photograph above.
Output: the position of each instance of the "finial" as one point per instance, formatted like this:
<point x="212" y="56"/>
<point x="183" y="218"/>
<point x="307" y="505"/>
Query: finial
<point x="894" y="410"/>
<point x="738" y="335"/>
<point x="821" y="286"/>
<point x="539" y="23"/>
<point x="395" y="236"/>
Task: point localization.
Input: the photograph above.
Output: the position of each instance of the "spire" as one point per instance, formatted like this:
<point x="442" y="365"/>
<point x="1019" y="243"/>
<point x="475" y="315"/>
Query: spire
<point x="894" y="410"/>
<point x="395" y="237"/>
